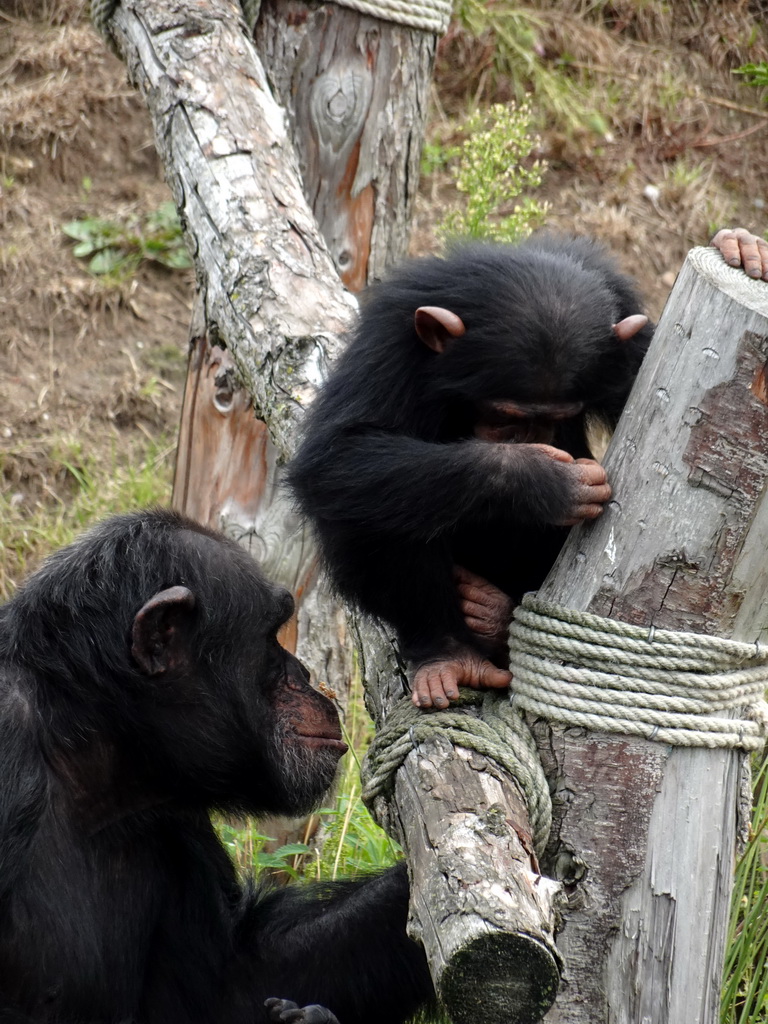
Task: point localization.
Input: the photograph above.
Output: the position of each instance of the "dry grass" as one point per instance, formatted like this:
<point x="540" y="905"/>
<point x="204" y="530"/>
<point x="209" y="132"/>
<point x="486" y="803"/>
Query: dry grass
<point x="652" y="143"/>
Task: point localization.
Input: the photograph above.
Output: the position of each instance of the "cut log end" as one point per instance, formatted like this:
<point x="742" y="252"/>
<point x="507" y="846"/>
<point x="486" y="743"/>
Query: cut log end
<point x="732" y="281"/>
<point x="502" y="978"/>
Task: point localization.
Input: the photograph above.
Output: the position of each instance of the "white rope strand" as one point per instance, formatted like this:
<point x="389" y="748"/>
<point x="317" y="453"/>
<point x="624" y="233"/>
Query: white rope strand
<point x="610" y="676"/>
<point x="429" y="15"/>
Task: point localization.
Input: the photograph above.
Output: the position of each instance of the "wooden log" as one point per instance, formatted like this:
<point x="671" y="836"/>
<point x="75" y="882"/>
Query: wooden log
<point x="354" y="90"/>
<point x="270" y="298"/>
<point x="481" y="908"/>
<point x="644" y="834"/>
<point x="276" y="313"/>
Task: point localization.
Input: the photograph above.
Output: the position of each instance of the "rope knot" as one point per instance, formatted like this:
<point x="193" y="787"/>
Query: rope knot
<point x="483" y="722"/>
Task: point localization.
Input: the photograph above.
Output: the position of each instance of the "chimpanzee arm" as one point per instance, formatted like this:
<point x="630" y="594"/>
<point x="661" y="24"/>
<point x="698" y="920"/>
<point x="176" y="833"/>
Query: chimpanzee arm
<point x="415" y="488"/>
<point x="342" y="945"/>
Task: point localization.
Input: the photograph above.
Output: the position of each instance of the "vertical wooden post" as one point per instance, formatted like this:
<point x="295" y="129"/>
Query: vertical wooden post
<point x="355" y="91"/>
<point x="644" y="833"/>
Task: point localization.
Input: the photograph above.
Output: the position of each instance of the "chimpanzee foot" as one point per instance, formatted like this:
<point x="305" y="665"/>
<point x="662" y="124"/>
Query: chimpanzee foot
<point x="284" y="1011"/>
<point x="487" y="610"/>
<point x="436" y="683"/>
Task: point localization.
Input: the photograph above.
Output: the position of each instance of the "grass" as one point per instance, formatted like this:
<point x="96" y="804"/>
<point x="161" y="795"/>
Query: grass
<point x="74" y="490"/>
<point x="745" y="992"/>
<point x="341" y="840"/>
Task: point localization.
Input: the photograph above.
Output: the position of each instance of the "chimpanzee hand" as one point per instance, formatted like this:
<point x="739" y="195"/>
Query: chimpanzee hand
<point x="284" y="1011"/>
<point x="589" y="481"/>
<point x="486" y="609"/>
<point x="436" y="683"/>
<point x="740" y="248"/>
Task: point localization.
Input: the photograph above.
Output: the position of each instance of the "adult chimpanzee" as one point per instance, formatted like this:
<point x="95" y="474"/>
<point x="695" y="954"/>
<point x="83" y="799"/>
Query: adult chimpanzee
<point x="141" y="685"/>
<point x="406" y="469"/>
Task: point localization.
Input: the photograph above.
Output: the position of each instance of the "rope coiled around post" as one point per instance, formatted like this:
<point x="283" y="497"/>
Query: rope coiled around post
<point x="584" y="670"/>
<point x="428" y="15"/>
<point x="498" y="733"/>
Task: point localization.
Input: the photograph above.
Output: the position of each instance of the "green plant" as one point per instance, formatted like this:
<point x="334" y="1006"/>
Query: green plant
<point x="352" y="842"/>
<point x="116" y="248"/>
<point x="754" y="74"/>
<point x="246" y="847"/>
<point x="494" y="171"/>
<point x="436" y="156"/>
<point x="745" y="992"/>
<point x="511" y="32"/>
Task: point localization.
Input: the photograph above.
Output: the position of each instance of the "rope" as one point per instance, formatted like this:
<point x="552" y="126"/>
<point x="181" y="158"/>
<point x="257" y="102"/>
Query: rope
<point x="498" y="733"/>
<point x="610" y="676"/>
<point x="429" y="15"/>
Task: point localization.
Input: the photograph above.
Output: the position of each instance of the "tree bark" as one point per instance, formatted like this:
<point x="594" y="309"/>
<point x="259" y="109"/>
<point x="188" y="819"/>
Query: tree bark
<point x="355" y="92"/>
<point x="269" y="294"/>
<point x="645" y="834"/>
<point x="481" y="908"/>
<point x="275" y="313"/>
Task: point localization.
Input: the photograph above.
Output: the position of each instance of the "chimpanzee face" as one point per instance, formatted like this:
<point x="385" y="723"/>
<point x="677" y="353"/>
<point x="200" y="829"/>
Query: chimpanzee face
<point x="236" y="711"/>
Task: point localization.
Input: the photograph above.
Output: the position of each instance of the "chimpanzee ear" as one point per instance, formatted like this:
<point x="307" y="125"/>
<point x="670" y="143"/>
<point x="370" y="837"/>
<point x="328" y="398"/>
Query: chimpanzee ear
<point x="629" y="326"/>
<point x="436" y="326"/>
<point x="161" y="631"/>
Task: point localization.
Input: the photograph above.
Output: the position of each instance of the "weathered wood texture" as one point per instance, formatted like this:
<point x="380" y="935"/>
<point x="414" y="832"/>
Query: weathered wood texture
<point x="269" y="293"/>
<point x="275" y="313"/>
<point x="483" y="911"/>
<point x="355" y="92"/>
<point x="645" y="834"/>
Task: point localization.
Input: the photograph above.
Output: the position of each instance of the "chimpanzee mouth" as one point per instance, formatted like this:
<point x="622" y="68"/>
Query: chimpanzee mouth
<point x="322" y="739"/>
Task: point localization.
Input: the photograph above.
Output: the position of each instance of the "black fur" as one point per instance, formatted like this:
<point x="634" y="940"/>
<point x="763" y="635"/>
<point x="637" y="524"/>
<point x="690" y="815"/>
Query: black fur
<point x="118" y="904"/>
<point x="389" y="471"/>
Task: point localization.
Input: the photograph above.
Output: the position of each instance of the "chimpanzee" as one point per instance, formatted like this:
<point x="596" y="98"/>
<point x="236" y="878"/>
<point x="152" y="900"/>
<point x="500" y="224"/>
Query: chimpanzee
<point x="142" y="685"/>
<point x="446" y="455"/>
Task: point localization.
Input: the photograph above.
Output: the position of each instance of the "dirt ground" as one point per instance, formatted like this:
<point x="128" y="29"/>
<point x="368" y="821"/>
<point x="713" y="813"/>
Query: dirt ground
<point x="677" y="146"/>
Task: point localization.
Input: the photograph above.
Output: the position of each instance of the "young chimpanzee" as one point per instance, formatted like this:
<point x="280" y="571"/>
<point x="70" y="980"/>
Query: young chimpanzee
<point x="446" y="455"/>
<point x="141" y="685"/>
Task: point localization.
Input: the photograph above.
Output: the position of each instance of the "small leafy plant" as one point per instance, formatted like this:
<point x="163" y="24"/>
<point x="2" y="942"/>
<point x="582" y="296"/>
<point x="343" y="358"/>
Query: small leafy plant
<point x="494" y="172"/>
<point x="246" y="845"/>
<point x="115" y="249"/>
<point x="754" y="74"/>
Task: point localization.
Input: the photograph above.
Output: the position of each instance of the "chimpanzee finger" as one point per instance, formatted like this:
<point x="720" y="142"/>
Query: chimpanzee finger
<point x="493" y="678"/>
<point x="590" y="473"/>
<point x="316" y="1014"/>
<point x="429" y="690"/>
<point x="595" y="495"/>
<point x="760" y="258"/>
<point x="469" y="595"/>
<point x="726" y="241"/>
<point x="749" y="254"/>
<point x="741" y="248"/>
<point x="466" y="579"/>
<point x="475" y="609"/>
<point x="557" y="454"/>
<point x="588" y="512"/>
<point x="475" y="624"/>
<point x="283" y="1011"/>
